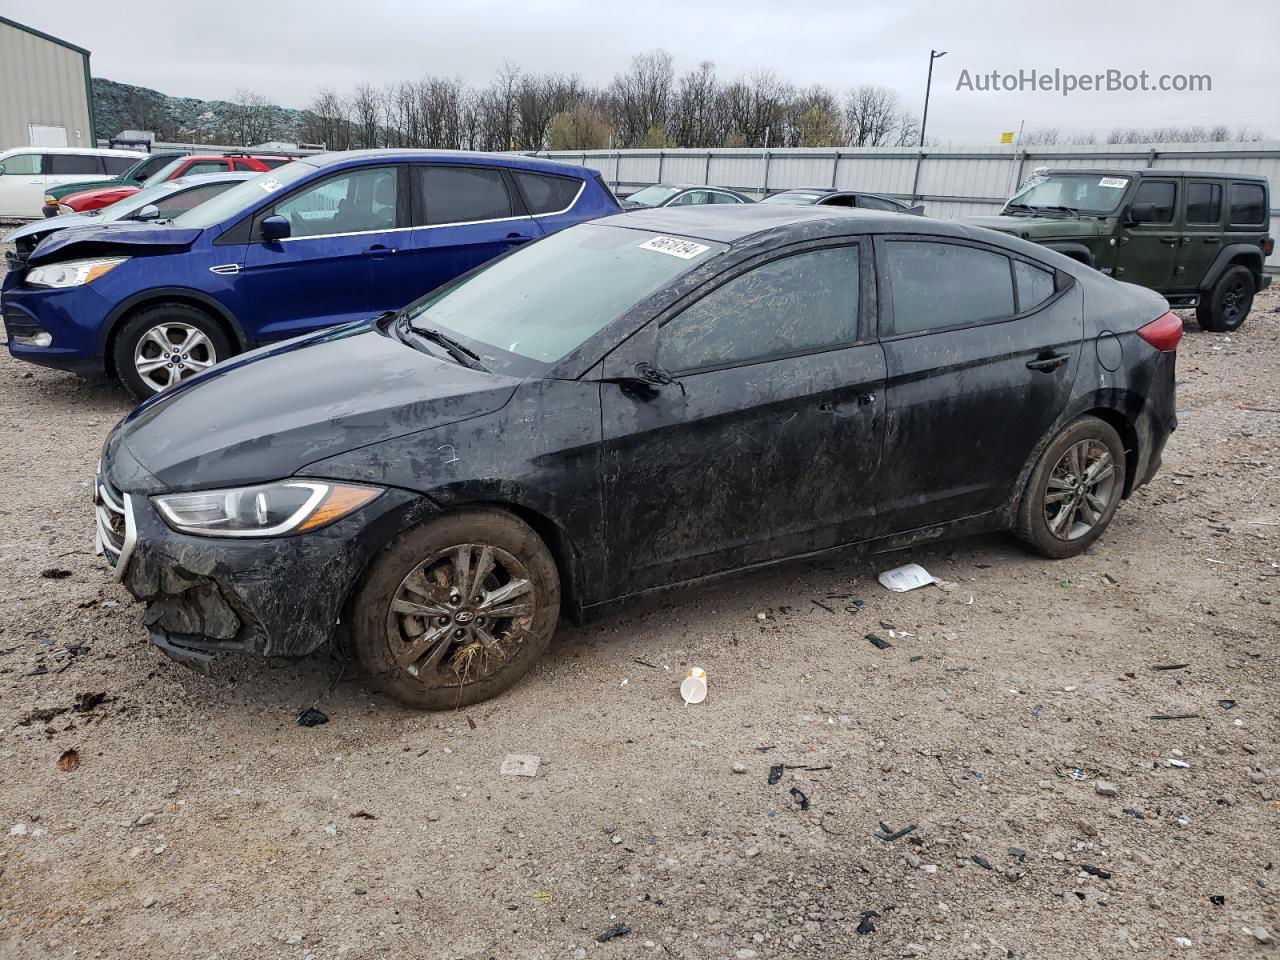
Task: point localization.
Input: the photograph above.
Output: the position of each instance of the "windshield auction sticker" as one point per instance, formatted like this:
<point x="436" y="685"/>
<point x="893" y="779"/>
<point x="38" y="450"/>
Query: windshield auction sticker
<point x="271" y="184"/>
<point x="1114" y="182"/>
<point x="675" y="247"/>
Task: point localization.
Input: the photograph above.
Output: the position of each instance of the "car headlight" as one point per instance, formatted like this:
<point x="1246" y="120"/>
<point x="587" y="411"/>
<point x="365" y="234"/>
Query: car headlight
<point x="72" y="273"/>
<point x="266" y="510"/>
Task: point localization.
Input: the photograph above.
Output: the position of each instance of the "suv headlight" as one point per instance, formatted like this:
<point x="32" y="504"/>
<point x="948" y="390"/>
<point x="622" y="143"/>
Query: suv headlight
<point x="266" y="510"/>
<point x="72" y="273"/>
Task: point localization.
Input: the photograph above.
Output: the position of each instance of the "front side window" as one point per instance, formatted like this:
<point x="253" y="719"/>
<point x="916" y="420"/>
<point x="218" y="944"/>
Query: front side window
<point x="115" y="166"/>
<point x="689" y="198"/>
<point x="1204" y="203"/>
<point x="463" y="194"/>
<point x="244" y="196"/>
<point x="530" y="309"/>
<point x="362" y="201"/>
<point x="546" y="194"/>
<point x="1248" y="204"/>
<point x="654" y="196"/>
<point x="21" y="165"/>
<point x="147" y="168"/>
<point x="1034" y="284"/>
<point x="1160" y="194"/>
<point x="937" y="285"/>
<point x="73" y="165"/>
<point x="805" y="302"/>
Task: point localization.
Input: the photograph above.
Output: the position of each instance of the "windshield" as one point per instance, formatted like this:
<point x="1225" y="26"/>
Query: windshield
<point x="167" y="171"/>
<point x="1081" y="193"/>
<point x="544" y="301"/>
<point x="653" y="196"/>
<point x="797" y="199"/>
<point x="243" y="196"/>
<point x="168" y="197"/>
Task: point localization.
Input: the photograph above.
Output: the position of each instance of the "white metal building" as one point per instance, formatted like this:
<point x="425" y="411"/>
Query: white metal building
<point x="46" y="95"/>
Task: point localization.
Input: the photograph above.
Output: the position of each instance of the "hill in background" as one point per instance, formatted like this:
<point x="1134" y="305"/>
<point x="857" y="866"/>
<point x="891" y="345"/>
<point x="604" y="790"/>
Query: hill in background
<point x="122" y="106"/>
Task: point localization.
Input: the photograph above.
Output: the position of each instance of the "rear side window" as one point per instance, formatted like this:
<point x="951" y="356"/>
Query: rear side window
<point x="724" y="198"/>
<point x="118" y="165"/>
<point x="1204" y="202"/>
<point x="151" y="166"/>
<point x="546" y="194"/>
<point x="1159" y="193"/>
<point x="945" y="285"/>
<point x="1248" y="204"/>
<point x="279" y="162"/>
<point x="463" y="194"/>
<point x="801" y="303"/>
<point x="1034" y="285"/>
<point x="73" y="164"/>
<point x="21" y="165"/>
<point x="205" y="166"/>
<point x="244" y="166"/>
<point x="878" y="203"/>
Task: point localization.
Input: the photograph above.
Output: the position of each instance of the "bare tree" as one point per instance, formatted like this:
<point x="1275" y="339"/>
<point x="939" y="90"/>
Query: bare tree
<point x="641" y="97"/>
<point x="366" y="111"/>
<point x="874" y="117"/>
<point x="327" y="121"/>
<point x="696" y="120"/>
<point x="251" y="121"/>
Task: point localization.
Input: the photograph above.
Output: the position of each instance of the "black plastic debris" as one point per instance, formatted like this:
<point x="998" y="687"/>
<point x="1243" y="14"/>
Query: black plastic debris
<point x="1169" y="666"/>
<point x="799" y="797"/>
<point x="617" y="930"/>
<point x="981" y="861"/>
<point x="55" y="573"/>
<point x="1226" y="704"/>
<point x="916" y="659"/>
<point x="1136" y="814"/>
<point x="865" y="925"/>
<point x="1217" y="899"/>
<point x="888" y="834"/>
<point x="775" y="773"/>
<point x="39" y="671"/>
<point x="1095" y="871"/>
<point x="1018" y="854"/>
<point x="76" y="649"/>
<point x="878" y="643"/>
<point x="311" y="717"/>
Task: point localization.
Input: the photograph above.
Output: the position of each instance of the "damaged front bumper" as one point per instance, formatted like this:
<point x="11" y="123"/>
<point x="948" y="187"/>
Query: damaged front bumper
<point x="268" y="596"/>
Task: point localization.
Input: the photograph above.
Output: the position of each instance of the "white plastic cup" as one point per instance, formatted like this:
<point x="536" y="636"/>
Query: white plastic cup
<point x="694" y="686"/>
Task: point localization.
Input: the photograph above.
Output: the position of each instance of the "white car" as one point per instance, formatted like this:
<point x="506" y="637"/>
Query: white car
<point x="25" y="173"/>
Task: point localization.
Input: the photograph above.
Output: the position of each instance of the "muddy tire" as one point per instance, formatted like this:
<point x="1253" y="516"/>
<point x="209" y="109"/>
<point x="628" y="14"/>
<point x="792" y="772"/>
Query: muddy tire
<point x="1074" y="490"/>
<point x="457" y="610"/>
<point x="164" y="345"/>
<point x="1225" y="307"/>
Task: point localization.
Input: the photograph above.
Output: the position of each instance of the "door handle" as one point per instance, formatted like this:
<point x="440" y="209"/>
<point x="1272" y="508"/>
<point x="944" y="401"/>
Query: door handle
<point x="1171" y="241"/>
<point x="837" y="408"/>
<point x="516" y="238"/>
<point x="379" y="252"/>
<point x="1211" y="240"/>
<point x="1048" y="364"/>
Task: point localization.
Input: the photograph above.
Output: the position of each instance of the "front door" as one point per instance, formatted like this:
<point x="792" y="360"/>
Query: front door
<point x="340" y="261"/>
<point x="1149" y="249"/>
<point x="22" y="183"/>
<point x="767" y="442"/>
<point x="982" y="352"/>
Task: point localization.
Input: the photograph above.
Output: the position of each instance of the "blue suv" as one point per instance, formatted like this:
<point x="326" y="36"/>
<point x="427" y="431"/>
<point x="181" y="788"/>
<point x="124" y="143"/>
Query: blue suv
<point x="322" y="241"/>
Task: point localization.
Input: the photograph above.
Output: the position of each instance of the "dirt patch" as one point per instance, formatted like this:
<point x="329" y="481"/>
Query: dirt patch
<point x="202" y="820"/>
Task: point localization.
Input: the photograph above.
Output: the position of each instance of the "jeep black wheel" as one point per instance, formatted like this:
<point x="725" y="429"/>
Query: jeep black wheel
<point x="1224" y="307"/>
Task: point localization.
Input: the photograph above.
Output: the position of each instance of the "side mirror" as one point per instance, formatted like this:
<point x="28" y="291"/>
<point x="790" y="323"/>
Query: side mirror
<point x="275" y="228"/>
<point x="149" y="212"/>
<point x="1142" y="213"/>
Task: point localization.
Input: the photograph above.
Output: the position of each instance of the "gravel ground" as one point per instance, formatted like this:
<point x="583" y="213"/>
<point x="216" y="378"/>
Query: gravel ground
<point x="202" y="821"/>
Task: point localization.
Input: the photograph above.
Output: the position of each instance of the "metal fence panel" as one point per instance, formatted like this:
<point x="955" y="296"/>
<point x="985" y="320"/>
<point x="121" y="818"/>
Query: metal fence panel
<point x="951" y="183"/>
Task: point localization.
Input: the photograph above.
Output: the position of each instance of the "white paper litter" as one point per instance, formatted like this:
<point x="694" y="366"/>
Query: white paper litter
<point x="909" y="576"/>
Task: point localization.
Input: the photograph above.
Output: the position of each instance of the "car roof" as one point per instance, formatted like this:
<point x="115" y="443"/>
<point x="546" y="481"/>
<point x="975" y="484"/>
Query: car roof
<point x="1153" y="172"/>
<point x="730" y="223"/>
<point x="92" y="151"/>
<point x="393" y="155"/>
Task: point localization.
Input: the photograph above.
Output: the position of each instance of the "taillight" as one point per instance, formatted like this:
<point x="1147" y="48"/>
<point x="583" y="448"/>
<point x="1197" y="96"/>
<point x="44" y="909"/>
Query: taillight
<point x="1164" y="332"/>
<point x="1268" y="247"/>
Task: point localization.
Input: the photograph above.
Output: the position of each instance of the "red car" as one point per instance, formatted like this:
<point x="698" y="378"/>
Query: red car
<point x="86" y="200"/>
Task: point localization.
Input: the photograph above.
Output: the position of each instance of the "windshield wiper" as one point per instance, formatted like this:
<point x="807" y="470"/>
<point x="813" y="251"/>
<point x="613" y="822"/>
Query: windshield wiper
<point x="1019" y="206"/>
<point x="1057" y="206"/>
<point x="464" y="356"/>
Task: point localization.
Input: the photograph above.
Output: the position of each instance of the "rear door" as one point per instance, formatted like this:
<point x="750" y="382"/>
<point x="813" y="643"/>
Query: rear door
<point x="1202" y="210"/>
<point x="767" y="443"/>
<point x="338" y="263"/>
<point x="982" y="350"/>
<point x="464" y="215"/>
<point x="1149" y="250"/>
<point x="22" y="184"/>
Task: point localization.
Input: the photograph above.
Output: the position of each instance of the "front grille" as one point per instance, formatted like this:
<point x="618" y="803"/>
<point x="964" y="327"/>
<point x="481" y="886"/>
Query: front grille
<point x="113" y="522"/>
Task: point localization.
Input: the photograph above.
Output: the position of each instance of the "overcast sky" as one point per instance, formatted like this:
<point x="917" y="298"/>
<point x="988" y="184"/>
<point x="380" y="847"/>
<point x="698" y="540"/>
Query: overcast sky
<point x="287" y="49"/>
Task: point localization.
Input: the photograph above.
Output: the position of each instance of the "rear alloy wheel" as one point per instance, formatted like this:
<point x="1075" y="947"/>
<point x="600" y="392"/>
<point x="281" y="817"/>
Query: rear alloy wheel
<point x="458" y="610"/>
<point x="1074" y="489"/>
<point x="1225" y="307"/>
<point x="162" y="346"/>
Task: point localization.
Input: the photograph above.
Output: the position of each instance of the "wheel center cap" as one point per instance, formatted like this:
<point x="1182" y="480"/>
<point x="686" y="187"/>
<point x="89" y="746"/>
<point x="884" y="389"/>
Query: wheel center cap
<point x="463" y="616"/>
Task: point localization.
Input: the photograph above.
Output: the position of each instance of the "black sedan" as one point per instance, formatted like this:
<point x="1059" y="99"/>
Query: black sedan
<point x="827" y="197"/>
<point x="641" y="401"/>
<point x="681" y="195"/>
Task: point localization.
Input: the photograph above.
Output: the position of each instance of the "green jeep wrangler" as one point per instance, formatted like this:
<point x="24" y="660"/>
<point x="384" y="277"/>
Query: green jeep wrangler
<point x="1199" y="239"/>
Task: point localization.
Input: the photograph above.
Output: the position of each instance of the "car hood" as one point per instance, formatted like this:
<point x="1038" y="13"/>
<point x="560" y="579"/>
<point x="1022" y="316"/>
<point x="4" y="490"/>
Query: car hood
<point x="112" y="238"/>
<point x="40" y="228"/>
<point x="1039" y="228"/>
<point x="269" y="413"/>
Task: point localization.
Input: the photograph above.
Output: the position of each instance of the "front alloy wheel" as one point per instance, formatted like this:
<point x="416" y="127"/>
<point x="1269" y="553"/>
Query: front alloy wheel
<point x="171" y="352"/>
